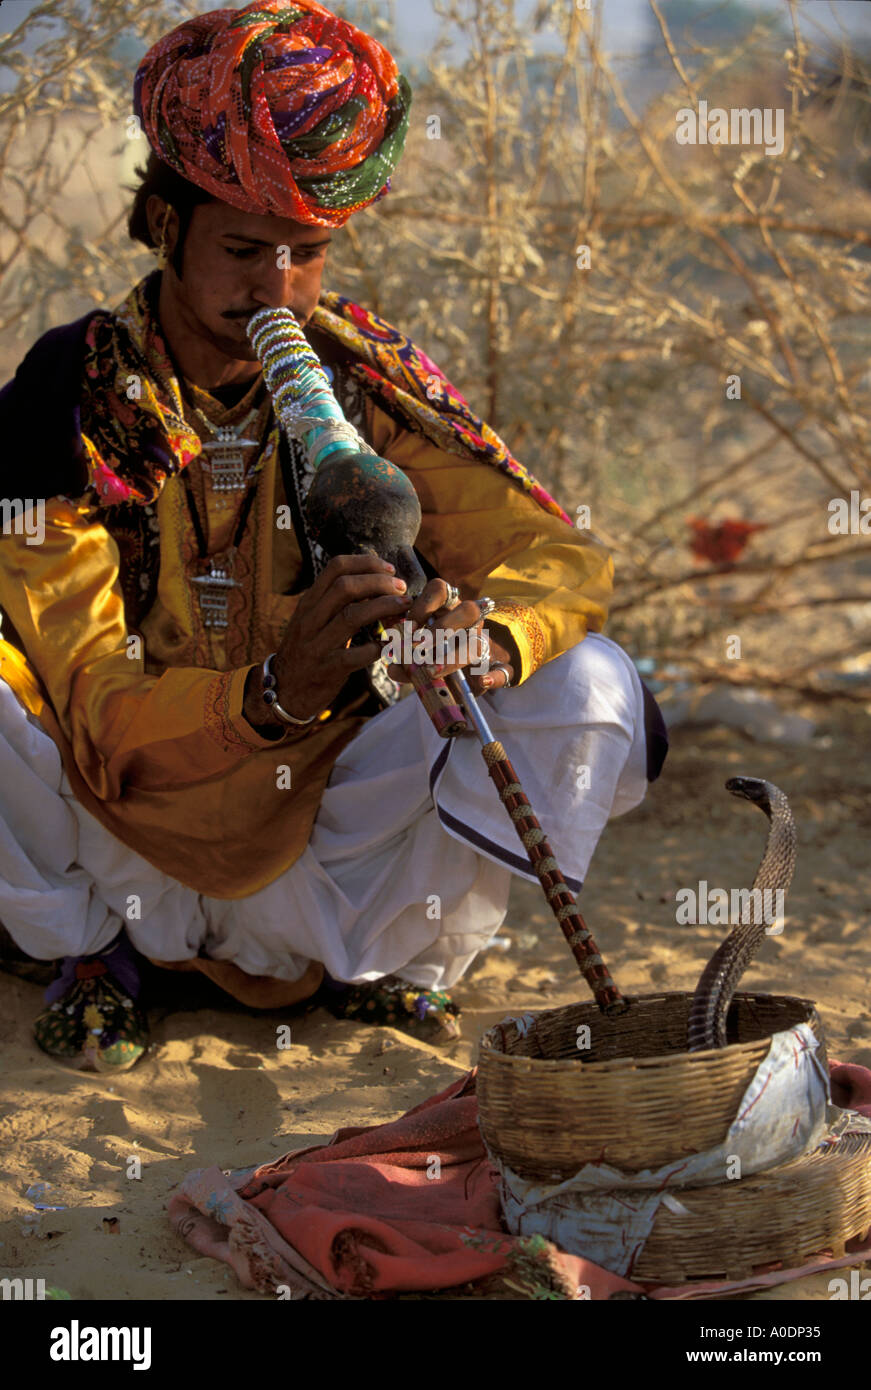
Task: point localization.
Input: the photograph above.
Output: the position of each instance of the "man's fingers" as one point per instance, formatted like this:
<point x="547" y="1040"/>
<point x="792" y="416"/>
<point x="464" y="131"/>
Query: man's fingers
<point x="431" y="599"/>
<point x="349" y="620"/>
<point x="355" y="658"/>
<point x="465" y="615"/>
<point x="341" y="565"/>
<point x="353" y="564"/>
<point x="442" y="649"/>
<point x="497" y="678"/>
<point x="350" y="589"/>
<point x="314" y="657"/>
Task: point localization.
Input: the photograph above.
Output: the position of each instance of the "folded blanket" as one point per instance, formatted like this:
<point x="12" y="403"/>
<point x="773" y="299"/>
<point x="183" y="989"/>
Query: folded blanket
<point x="413" y="1206"/>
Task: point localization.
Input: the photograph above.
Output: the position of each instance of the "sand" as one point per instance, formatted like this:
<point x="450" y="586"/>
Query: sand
<point x="215" y="1089"/>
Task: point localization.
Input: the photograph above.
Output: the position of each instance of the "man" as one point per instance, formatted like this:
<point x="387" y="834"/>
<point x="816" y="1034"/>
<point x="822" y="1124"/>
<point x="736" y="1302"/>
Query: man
<point x="282" y="825"/>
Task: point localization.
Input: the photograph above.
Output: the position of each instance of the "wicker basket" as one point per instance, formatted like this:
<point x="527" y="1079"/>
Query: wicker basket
<point x="787" y="1215"/>
<point x="635" y="1098"/>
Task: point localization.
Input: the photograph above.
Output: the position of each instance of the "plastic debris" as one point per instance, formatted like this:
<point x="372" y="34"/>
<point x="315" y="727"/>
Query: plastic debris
<point x="43" y="1197"/>
<point x="526" y="940"/>
<point x="674" y="678"/>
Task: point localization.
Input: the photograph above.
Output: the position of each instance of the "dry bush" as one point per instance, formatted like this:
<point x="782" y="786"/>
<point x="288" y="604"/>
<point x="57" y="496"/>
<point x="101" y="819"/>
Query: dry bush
<point x="609" y="382"/>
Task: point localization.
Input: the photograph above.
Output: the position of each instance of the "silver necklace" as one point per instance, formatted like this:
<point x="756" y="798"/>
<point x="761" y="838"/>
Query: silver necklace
<point x="228" y="475"/>
<point x="226" y="462"/>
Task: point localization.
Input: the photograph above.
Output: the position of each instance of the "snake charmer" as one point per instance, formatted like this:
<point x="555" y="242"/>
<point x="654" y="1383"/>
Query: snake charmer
<point x="201" y="763"/>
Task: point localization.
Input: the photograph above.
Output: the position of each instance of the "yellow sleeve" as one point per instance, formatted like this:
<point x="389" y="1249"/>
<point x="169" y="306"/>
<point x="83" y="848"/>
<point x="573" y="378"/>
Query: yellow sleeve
<point x="125" y="728"/>
<point x="480" y="531"/>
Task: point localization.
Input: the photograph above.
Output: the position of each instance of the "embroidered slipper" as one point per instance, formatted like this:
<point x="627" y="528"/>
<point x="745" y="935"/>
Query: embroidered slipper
<point x="93" y="1021"/>
<point x="389" y="1002"/>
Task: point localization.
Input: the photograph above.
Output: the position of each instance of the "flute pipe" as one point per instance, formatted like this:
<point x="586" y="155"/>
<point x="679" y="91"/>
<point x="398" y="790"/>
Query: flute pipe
<point x="461" y="688"/>
<point x="436" y="696"/>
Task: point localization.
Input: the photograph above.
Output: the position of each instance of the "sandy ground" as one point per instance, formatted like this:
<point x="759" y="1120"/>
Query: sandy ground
<point x="214" y="1089"/>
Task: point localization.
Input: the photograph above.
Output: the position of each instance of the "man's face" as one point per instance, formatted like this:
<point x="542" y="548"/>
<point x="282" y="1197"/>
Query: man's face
<point x="233" y="266"/>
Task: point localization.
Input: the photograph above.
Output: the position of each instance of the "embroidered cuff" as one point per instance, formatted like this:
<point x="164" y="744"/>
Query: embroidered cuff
<point x="529" y="636"/>
<point x="224" y="719"/>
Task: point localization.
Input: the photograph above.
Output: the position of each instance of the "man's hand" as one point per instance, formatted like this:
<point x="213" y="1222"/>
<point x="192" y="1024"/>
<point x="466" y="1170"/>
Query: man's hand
<point x="315" y="658"/>
<point x="429" y="609"/>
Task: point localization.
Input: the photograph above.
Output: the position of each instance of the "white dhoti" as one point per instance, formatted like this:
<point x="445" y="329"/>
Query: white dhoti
<point x="410" y="859"/>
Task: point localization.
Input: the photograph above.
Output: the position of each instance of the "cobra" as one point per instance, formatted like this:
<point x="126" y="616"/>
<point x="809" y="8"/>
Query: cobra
<point x="719" y="979"/>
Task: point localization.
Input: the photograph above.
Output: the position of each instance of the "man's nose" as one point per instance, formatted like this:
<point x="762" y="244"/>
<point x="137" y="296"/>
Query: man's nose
<point x="276" y="282"/>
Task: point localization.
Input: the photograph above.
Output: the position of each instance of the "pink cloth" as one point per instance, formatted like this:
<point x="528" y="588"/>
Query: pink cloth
<point x="412" y="1205"/>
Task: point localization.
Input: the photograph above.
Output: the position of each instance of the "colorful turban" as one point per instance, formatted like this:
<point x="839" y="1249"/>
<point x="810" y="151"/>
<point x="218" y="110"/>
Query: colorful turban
<point x="280" y="108"/>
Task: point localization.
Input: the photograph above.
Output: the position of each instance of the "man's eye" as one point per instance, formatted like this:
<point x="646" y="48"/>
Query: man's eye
<point x="245" y="253"/>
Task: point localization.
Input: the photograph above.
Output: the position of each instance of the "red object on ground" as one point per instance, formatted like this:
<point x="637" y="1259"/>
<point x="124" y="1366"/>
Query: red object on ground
<point x="411" y="1205"/>
<point x="721" y="543"/>
<point x="851" y="1086"/>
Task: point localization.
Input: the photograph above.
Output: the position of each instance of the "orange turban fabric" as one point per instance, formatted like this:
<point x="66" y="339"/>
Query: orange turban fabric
<point x="280" y="108"/>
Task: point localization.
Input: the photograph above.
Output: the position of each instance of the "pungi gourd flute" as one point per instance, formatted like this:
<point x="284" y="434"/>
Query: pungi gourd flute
<point x="360" y="502"/>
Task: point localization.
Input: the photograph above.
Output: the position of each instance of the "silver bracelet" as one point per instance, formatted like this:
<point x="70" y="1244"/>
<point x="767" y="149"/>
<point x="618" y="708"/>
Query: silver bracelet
<point x="270" y="696"/>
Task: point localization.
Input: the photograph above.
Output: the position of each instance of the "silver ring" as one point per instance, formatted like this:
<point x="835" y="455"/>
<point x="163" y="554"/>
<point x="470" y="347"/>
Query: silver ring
<point x="500" y="666"/>
<point x="453" y="598"/>
<point x="486" y="606"/>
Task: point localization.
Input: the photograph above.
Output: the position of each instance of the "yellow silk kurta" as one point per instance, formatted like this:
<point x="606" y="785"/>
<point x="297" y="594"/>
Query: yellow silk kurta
<point x="152" y="733"/>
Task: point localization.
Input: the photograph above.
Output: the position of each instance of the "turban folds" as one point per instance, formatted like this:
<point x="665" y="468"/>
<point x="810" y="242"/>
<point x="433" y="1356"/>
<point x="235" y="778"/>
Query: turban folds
<point x="280" y="108"/>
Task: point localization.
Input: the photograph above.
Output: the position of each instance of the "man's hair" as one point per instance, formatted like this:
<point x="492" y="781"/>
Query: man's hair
<point x="184" y="196"/>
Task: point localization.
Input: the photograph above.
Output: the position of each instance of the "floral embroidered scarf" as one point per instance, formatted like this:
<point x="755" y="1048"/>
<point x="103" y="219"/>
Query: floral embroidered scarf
<point x="135" y="436"/>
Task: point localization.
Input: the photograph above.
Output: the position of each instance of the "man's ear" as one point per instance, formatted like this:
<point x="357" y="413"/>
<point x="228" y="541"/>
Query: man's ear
<point x="162" y="222"/>
<point x="155" y="209"/>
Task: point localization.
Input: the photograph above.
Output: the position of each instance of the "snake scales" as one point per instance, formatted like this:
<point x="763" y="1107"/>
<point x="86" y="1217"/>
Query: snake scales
<point x="719" y="979"/>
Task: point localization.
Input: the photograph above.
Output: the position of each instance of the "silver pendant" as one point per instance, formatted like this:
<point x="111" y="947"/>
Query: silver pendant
<point x="214" y="594"/>
<point x="227" y="462"/>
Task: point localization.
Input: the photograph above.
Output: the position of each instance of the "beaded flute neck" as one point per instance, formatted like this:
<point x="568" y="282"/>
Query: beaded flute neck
<point x="300" y="389"/>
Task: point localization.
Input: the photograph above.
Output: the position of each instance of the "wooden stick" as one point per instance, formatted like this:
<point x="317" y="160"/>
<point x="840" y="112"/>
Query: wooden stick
<point x="562" y="902"/>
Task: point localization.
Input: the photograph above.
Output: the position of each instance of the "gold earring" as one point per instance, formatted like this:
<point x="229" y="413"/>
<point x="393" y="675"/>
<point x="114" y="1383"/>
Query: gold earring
<point x="162" y="252"/>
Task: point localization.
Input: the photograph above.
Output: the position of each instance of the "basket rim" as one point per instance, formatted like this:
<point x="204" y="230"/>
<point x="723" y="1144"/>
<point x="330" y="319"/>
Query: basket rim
<point x="661" y="1059"/>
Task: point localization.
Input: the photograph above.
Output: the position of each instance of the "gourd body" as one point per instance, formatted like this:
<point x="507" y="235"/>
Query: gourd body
<point x="359" y="503"/>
